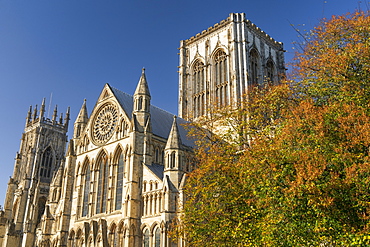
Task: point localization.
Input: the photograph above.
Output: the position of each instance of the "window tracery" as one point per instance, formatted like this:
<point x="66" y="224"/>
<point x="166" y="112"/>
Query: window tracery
<point x="102" y="184"/>
<point x="120" y="176"/>
<point x="220" y="77"/>
<point x="46" y="164"/>
<point x="254" y="66"/>
<point x="146" y="238"/>
<point x="220" y="67"/>
<point x="198" y="88"/>
<point x="86" y="190"/>
<point x="122" y="129"/>
<point x="157" y="237"/>
<point x="269" y="74"/>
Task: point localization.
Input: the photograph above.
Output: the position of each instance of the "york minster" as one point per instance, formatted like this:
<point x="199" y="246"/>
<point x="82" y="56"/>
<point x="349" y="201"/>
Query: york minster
<point x="119" y="180"/>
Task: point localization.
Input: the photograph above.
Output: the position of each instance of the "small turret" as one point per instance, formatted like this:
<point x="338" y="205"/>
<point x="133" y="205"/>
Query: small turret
<point x="173" y="166"/>
<point x="141" y="112"/>
<point x="81" y="120"/>
<point x="142" y="94"/>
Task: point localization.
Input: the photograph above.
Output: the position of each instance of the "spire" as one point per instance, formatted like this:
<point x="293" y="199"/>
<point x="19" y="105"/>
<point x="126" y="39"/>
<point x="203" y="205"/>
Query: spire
<point x="66" y="119"/>
<point x="34" y="116"/>
<point x="82" y="115"/>
<point x="29" y="115"/>
<point x="81" y="120"/>
<point x="42" y="110"/>
<point x="61" y="118"/>
<point x="55" y="114"/>
<point x="141" y="109"/>
<point x="142" y="87"/>
<point x="174" y="140"/>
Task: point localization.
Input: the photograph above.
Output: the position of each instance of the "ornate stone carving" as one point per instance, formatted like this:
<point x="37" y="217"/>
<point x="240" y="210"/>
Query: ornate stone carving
<point x="104" y="124"/>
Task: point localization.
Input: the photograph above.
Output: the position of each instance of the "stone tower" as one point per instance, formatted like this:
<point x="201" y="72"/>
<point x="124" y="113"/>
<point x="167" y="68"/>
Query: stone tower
<point x="121" y="181"/>
<point x="41" y="152"/>
<point x="218" y="65"/>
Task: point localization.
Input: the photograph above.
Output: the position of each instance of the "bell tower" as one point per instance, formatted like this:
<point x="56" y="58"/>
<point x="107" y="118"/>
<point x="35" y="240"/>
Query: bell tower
<point x="219" y="65"/>
<point x="41" y="152"/>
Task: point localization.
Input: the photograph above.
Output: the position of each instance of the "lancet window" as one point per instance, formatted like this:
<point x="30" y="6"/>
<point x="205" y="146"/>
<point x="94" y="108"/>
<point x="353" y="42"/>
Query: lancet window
<point x="220" y="77"/>
<point x="157" y="237"/>
<point x="140" y="103"/>
<point x="269" y="71"/>
<point x="198" y="88"/>
<point x="86" y="190"/>
<point x="254" y="66"/>
<point x="113" y="236"/>
<point x="220" y="67"/>
<point x="119" y="184"/>
<point x="102" y="185"/>
<point x="71" y="239"/>
<point x="122" y="130"/>
<point x="146" y="238"/>
<point x="158" y="155"/>
<point x="46" y="164"/>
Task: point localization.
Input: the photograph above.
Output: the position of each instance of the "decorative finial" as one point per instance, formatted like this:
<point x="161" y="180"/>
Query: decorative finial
<point x="61" y="118"/>
<point x="29" y="114"/>
<point x="55" y="115"/>
<point x="35" y="113"/>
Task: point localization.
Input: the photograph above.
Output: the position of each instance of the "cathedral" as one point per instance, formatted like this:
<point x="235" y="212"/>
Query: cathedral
<point x="119" y="181"/>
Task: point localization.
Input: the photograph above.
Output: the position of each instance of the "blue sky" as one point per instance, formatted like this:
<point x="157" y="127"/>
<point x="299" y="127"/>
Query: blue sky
<point x="66" y="50"/>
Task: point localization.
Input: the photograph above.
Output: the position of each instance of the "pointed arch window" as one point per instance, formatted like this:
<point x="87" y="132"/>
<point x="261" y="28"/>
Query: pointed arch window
<point x="198" y="87"/>
<point x="156" y="155"/>
<point x="140" y="103"/>
<point x="85" y="200"/>
<point x="157" y="237"/>
<point x="198" y="77"/>
<point x="122" y="129"/>
<point x="146" y="238"/>
<point x="254" y="66"/>
<point x="220" y="67"/>
<point x="173" y="159"/>
<point x="46" y="164"/>
<point x="71" y="239"/>
<point x="102" y="185"/>
<point x="220" y="77"/>
<point x="119" y="185"/>
<point x="269" y="71"/>
<point x="114" y="236"/>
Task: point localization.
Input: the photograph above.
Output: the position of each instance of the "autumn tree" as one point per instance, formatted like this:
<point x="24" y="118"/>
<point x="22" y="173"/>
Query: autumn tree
<point x="291" y="164"/>
<point x="334" y="62"/>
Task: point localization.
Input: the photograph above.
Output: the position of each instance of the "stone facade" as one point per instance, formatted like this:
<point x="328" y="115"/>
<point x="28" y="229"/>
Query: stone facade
<point x="40" y="155"/>
<point x="219" y="64"/>
<point x="120" y="181"/>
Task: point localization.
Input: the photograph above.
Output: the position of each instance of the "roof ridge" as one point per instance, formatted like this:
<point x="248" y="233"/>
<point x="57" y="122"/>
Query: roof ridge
<point x="121" y="91"/>
<point x="157" y="107"/>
